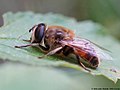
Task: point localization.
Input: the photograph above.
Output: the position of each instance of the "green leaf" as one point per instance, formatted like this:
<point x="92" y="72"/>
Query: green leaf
<point x="42" y="71"/>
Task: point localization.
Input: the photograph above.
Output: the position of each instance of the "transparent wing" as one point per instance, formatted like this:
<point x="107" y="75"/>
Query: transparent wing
<point x="90" y="47"/>
<point x="103" y="53"/>
<point x="98" y="45"/>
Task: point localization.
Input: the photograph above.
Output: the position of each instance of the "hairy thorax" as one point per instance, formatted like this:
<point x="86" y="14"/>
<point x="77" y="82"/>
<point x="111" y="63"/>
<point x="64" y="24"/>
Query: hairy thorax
<point x="55" y="34"/>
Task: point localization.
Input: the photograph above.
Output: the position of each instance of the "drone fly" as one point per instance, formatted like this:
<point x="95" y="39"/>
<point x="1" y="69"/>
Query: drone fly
<point x="62" y="41"/>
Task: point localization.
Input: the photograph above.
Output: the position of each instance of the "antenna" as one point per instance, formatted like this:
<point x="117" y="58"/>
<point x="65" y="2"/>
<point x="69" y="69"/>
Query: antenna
<point x="22" y="35"/>
<point x="27" y="32"/>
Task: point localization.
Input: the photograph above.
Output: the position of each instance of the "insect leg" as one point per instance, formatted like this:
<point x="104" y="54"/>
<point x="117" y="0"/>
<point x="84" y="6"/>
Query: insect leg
<point x="51" y="52"/>
<point x="32" y="44"/>
<point x="27" y="40"/>
<point x="81" y="64"/>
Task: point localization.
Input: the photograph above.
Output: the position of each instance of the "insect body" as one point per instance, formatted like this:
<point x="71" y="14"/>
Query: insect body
<point x="85" y="50"/>
<point x="60" y="40"/>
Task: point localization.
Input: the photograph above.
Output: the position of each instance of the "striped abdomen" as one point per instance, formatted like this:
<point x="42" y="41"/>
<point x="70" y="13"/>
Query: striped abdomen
<point x="91" y="58"/>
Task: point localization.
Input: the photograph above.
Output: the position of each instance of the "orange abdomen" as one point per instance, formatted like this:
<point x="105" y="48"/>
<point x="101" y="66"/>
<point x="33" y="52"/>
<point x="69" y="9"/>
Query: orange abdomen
<point x="89" y="57"/>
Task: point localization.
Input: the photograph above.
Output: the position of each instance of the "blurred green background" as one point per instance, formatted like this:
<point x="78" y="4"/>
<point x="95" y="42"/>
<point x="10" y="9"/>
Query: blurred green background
<point x="105" y="12"/>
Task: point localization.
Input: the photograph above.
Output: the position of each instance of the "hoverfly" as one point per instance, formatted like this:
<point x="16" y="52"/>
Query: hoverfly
<point x="60" y="40"/>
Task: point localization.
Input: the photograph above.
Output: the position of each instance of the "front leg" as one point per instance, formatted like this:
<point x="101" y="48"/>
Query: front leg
<point x="26" y="40"/>
<point x="27" y="45"/>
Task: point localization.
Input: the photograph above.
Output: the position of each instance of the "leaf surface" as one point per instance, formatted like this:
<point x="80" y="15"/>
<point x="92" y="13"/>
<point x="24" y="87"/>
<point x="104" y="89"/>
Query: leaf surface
<point x="18" y="24"/>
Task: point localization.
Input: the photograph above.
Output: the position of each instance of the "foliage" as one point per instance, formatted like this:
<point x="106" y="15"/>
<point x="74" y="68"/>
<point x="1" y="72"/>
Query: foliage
<point x="21" y="69"/>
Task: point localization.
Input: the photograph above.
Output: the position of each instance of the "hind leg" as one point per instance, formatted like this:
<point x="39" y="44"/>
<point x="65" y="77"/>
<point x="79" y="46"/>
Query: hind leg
<point x="81" y="64"/>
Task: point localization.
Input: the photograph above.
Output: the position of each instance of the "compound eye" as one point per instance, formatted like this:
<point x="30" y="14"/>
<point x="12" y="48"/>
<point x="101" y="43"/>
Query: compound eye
<point x="39" y="32"/>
